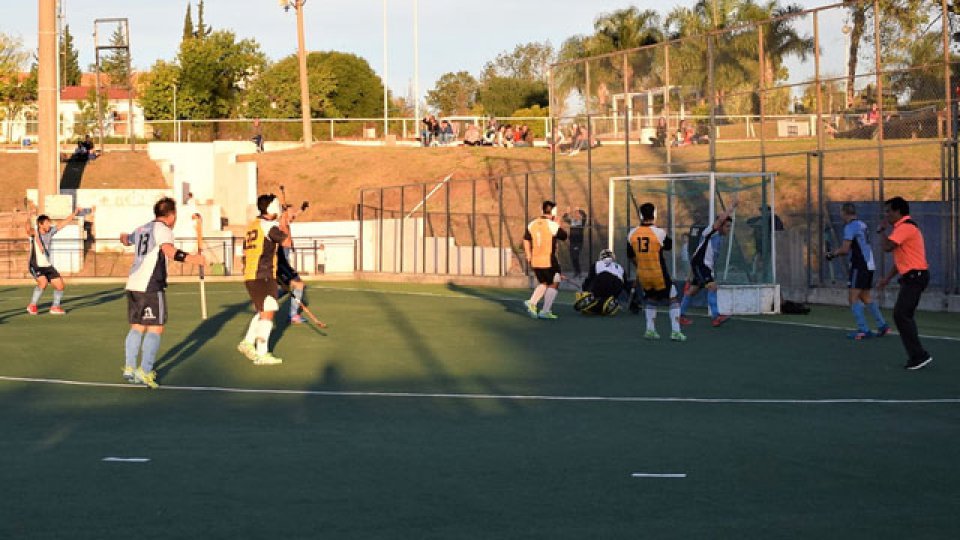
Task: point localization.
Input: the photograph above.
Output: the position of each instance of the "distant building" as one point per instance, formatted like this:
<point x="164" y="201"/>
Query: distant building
<point x="72" y="101"/>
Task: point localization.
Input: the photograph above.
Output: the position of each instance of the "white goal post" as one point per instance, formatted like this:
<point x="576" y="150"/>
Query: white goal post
<point x="686" y="204"/>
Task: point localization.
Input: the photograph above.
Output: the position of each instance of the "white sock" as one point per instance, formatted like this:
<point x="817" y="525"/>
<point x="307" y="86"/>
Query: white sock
<point x="675" y="317"/>
<point x="549" y="297"/>
<point x="252" y="330"/>
<point x="538" y="294"/>
<point x="651" y="316"/>
<point x="264" y="327"/>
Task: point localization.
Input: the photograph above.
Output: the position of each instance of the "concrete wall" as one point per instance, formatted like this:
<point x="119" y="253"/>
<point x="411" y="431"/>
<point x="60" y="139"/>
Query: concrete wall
<point x="210" y="171"/>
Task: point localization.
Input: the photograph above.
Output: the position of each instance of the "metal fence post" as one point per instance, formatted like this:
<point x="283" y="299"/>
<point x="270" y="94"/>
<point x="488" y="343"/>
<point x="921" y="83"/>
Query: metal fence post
<point x="500" y="229"/>
<point x="360" y="235"/>
<point x="449" y="232"/>
<point x="403" y="219"/>
<point x="423" y="226"/>
<point x="380" y="234"/>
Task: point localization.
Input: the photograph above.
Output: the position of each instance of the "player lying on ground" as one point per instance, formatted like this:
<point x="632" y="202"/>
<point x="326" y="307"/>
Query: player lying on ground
<point x="647" y="242"/>
<point x="41" y="261"/>
<point x="146" y="300"/>
<point x="701" y="267"/>
<point x="602" y="287"/>
<point x="856" y="243"/>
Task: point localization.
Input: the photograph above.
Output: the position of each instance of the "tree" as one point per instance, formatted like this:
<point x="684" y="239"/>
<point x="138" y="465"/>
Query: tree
<point x="901" y="17"/>
<point x="16" y="94"/>
<point x="202" y="31"/>
<point x="619" y="30"/>
<point x="276" y="92"/>
<point x="188" y="23"/>
<point x="455" y="93"/>
<point x="116" y="63"/>
<point x="359" y="90"/>
<point x="155" y="93"/>
<point x="69" y="60"/>
<point x="87" y="122"/>
<point x="529" y="61"/>
<point x="501" y="96"/>
<point x="213" y="73"/>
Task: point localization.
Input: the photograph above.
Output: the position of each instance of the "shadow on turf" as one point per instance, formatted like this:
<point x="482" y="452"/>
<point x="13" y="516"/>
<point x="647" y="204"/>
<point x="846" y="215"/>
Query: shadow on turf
<point x="191" y="344"/>
<point x="510" y="305"/>
<point x="70" y="303"/>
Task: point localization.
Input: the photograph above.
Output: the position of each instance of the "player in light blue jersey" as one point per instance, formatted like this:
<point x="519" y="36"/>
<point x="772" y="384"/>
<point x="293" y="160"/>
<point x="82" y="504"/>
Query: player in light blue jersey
<point x="856" y="244"/>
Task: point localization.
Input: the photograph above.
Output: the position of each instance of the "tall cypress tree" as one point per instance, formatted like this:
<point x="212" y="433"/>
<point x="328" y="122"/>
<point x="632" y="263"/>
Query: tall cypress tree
<point x="188" y="22"/>
<point x="115" y="64"/>
<point x="202" y="30"/>
<point x="69" y="60"/>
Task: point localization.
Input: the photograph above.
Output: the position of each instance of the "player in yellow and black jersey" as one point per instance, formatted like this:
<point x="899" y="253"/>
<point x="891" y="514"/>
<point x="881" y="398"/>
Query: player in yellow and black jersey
<point x="540" y="248"/>
<point x="647" y="243"/>
<point x="260" y="245"/>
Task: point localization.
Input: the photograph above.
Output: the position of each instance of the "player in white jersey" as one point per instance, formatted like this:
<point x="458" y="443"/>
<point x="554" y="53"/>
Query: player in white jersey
<point x="41" y="261"/>
<point x="701" y="267"/>
<point x="146" y="302"/>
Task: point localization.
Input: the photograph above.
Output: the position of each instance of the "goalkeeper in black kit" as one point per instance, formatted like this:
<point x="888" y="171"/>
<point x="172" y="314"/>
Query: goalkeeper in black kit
<point x="603" y="285"/>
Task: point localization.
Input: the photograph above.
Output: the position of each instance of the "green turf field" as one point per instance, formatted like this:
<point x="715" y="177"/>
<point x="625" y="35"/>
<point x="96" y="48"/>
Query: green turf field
<point x="444" y="412"/>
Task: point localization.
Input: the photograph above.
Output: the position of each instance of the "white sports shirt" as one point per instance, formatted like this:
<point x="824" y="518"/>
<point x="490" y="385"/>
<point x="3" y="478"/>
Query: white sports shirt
<point x="149" y="270"/>
<point x="610" y="266"/>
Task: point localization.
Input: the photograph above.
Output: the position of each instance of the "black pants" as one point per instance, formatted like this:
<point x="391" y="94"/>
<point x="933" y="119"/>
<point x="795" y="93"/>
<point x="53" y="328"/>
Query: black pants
<point x="912" y="285"/>
<point x="575" y="256"/>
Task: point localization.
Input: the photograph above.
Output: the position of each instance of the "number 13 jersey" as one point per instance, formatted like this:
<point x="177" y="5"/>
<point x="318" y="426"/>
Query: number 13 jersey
<point x="149" y="270"/>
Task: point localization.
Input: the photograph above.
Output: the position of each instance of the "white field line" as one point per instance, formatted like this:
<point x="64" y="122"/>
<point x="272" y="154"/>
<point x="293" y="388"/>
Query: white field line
<point x="510" y="397"/>
<point x="126" y="460"/>
<point x="658" y="475"/>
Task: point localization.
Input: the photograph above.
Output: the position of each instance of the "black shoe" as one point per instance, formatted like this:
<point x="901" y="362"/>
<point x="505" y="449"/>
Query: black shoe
<point x="918" y="364"/>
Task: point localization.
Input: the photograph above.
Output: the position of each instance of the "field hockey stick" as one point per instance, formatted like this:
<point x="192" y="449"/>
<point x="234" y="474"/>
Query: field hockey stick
<point x="198" y="223"/>
<point x="313" y="318"/>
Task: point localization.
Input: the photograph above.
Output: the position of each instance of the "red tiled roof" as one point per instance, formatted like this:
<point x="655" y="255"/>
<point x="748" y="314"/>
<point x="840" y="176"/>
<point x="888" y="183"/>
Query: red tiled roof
<point x="79" y="93"/>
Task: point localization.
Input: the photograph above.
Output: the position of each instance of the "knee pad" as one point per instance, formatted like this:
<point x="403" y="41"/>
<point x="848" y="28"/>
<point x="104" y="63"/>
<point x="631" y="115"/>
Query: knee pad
<point x="585" y="301"/>
<point x="270" y="304"/>
<point x="611" y="307"/>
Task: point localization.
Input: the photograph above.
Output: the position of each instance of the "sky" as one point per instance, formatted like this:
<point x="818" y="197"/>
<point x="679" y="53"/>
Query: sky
<point x="455" y="35"/>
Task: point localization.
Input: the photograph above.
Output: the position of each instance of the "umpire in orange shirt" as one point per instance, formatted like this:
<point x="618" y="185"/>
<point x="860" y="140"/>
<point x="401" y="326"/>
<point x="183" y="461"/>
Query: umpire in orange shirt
<point x="905" y="242"/>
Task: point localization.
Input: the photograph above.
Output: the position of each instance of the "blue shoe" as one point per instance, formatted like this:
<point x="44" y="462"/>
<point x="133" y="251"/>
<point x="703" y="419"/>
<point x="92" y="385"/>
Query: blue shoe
<point x="860" y="336"/>
<point x="883" y="330"/>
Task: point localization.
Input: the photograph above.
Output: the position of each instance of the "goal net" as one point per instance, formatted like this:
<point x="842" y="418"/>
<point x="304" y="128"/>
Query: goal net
<point x="687" y="204"/>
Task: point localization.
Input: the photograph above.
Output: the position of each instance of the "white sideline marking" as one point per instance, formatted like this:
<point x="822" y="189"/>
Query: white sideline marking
<point x="126" y="459"/>
<point x="512" y="397"/>
<point x="658" y="475"/>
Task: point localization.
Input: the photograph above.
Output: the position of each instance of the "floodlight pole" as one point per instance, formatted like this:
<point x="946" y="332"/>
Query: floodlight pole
<point x="386" y="101"/>
<point x="48" y="163"/>
<point x="304" y="83"/>
<point x="416" y="66"/>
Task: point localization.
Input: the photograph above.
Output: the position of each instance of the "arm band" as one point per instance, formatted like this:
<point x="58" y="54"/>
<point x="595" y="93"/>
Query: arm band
<point x="180" y="256"/>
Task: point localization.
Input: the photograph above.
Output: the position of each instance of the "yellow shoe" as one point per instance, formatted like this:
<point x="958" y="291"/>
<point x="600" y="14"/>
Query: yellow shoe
<point x="147" y="379"/>
<point x="267" y="359"/>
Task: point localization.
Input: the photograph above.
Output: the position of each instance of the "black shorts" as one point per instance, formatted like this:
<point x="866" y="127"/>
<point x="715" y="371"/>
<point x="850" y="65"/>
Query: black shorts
<point x="547" y="276"/>
<point x="700" y="274"/>
<point x="48" y="272"/>
<point x="654" y="296"/>
<point x="147" y="308"/>
<point x="285" y="272"/>
<point x="261" y="289"/>
<point x="606" y="285"/>
<point x="860" y="278"/>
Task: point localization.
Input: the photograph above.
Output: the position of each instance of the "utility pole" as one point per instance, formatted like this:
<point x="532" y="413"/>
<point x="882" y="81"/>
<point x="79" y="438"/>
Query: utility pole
<point x="48" y="162"/>
<point x="304" y="83"/>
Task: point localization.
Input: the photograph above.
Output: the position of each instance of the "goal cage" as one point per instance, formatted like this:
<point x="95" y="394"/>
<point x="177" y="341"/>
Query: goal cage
<point x="687" y="204"/>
